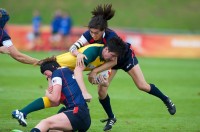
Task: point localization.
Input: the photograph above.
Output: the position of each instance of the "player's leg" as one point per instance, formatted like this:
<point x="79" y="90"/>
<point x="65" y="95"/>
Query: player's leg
<point x="71" y="119"/>
<point x="104" y="99"/>
<point x="56" y="122"/>
<point x="138" y="78"/>
<point x="38" y="104"/>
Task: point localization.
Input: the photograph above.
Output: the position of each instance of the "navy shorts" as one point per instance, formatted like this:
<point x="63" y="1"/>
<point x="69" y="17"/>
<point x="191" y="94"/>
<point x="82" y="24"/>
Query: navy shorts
<point x="127" y="62"/>
<point x="79" y="117"/>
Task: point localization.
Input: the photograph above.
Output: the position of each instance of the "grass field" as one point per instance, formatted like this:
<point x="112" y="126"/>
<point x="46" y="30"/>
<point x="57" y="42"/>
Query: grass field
<point x="136" y="111"/>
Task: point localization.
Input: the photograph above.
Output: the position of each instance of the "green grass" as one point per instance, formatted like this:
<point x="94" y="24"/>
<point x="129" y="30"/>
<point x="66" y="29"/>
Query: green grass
<point x="136" y="111"/>
<point x="137" y="14"/>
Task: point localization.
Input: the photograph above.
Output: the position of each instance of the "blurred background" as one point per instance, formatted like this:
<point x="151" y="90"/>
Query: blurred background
<point x="165" y="35"/>
<point x="157" y="28"/>
<point x="163" y="15"/>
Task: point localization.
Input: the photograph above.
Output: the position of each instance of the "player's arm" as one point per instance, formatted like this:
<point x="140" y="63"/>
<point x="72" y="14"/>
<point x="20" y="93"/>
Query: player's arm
<point x="23" y="58"/>
<point x="77" y="45"/>
<point x="54" y="91"/>
<point x="4" y="50"/>
<point x="78" y="73"/>
<point x="74" y="50"/>
<point x="108" y="65"/>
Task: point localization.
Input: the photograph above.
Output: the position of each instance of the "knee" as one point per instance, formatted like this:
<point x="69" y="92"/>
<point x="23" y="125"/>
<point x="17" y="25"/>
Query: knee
<point x="102" y="92"/>
<point x="46" y="123"/>
<point x="143" y="87"/>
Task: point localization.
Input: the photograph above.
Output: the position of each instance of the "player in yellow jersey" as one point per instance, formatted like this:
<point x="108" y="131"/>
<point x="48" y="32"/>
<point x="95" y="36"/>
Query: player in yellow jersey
<point x="96" y="54"/>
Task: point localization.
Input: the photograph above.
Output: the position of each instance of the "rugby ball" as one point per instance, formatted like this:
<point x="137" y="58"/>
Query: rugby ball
<point x="105" y="74"/>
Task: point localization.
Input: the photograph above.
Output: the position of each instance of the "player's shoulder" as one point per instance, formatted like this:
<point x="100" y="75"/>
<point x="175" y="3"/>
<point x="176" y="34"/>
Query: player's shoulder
<point x="60" y="71"/>
<point x="4" y="36"/>
<point x="95" y="45"/>
<point x="110" y="32"/>
<point x="92" y="46"/>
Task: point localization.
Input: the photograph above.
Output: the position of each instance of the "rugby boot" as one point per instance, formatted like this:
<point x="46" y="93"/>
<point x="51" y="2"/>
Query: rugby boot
<point x="20" y="117"/>
<point x="170" y="106"/>
<point x="109" y="124"/>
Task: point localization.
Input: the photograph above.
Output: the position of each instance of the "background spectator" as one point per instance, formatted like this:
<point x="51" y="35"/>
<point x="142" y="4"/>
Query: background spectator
<point x="55" y="26"/>
<point x="36" y="25"/>
<point x="65" y="30"/>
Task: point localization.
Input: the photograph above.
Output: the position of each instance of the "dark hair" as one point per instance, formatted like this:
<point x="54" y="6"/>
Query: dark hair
<point x="117" y="45"/>
<point x="4" y="17"/>
<point x="49" y="65"/>
<point x="100" y="16"/>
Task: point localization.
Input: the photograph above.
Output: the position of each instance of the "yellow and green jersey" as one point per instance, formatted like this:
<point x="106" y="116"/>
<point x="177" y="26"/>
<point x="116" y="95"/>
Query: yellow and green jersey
<point x="93" y="52"/>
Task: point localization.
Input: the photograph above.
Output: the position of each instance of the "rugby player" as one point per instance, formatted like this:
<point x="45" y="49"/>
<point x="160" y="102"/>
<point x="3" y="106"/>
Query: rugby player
<point x="6" y="45"/>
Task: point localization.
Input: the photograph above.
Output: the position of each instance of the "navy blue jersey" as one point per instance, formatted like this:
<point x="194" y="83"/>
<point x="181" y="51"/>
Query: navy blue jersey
<point x="71" y="94"/>
<point x="106" y="36"/>
<point x="3" y="36"/>
<point x="125" y="62"/>
<point x="128" y="61"/>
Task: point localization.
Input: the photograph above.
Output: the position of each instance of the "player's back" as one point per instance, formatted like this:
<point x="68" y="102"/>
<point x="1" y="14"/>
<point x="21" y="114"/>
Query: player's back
<point x="91" y="51"/>
<point x="71" y="94"/>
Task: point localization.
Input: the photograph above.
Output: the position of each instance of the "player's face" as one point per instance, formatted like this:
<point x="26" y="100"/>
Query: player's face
<point x="107" y="55"/>
<point x="96" y="33"/>
<point x="48" y="73"/>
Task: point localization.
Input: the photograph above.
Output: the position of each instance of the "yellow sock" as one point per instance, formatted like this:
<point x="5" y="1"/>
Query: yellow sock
<point x="47" y="102"/>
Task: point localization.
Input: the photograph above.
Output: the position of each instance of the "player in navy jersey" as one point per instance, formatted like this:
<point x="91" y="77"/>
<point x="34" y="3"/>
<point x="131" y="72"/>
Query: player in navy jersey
<point x="6" y="45"/>
<point x="99" y="32"/>
<point x="97" y="54"/>
<point x="63" y="89"/>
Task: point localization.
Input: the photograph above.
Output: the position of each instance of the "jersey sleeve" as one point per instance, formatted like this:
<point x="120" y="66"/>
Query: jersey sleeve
<point x="5" y="39"/>
<point x="78" y="44"/>
<point x="56" y="78"/>
<point x="7" y="43"/>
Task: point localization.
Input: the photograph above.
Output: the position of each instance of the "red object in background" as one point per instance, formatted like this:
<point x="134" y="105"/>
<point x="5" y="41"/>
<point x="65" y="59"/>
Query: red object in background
<point x="148" y="45"/>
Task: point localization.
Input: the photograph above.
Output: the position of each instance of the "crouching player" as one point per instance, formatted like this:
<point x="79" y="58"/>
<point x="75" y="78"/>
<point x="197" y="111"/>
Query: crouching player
<point x="64" y="89"/>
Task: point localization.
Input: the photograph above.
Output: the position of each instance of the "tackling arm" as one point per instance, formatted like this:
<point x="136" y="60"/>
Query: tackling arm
<point x="4" y="50"/>
<point x="74" y="50"/>
<point x="53" y="93"/>
<point x="78" y="73"/>
<point x="108" y="65"/>
<point x="17" y="55"/>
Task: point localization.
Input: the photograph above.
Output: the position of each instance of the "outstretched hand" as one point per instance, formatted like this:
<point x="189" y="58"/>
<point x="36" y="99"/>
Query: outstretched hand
<point x="53" y="58"/>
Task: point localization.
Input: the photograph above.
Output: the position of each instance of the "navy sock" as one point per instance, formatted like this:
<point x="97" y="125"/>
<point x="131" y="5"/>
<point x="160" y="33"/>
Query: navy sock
<point x="35" y="130"/>
<point x="107" y="107"/>
<point x="156" y="92"/>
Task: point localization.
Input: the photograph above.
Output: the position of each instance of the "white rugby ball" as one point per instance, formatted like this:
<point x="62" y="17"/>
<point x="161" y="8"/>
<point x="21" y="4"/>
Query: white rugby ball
<point x="105" y="73"/>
